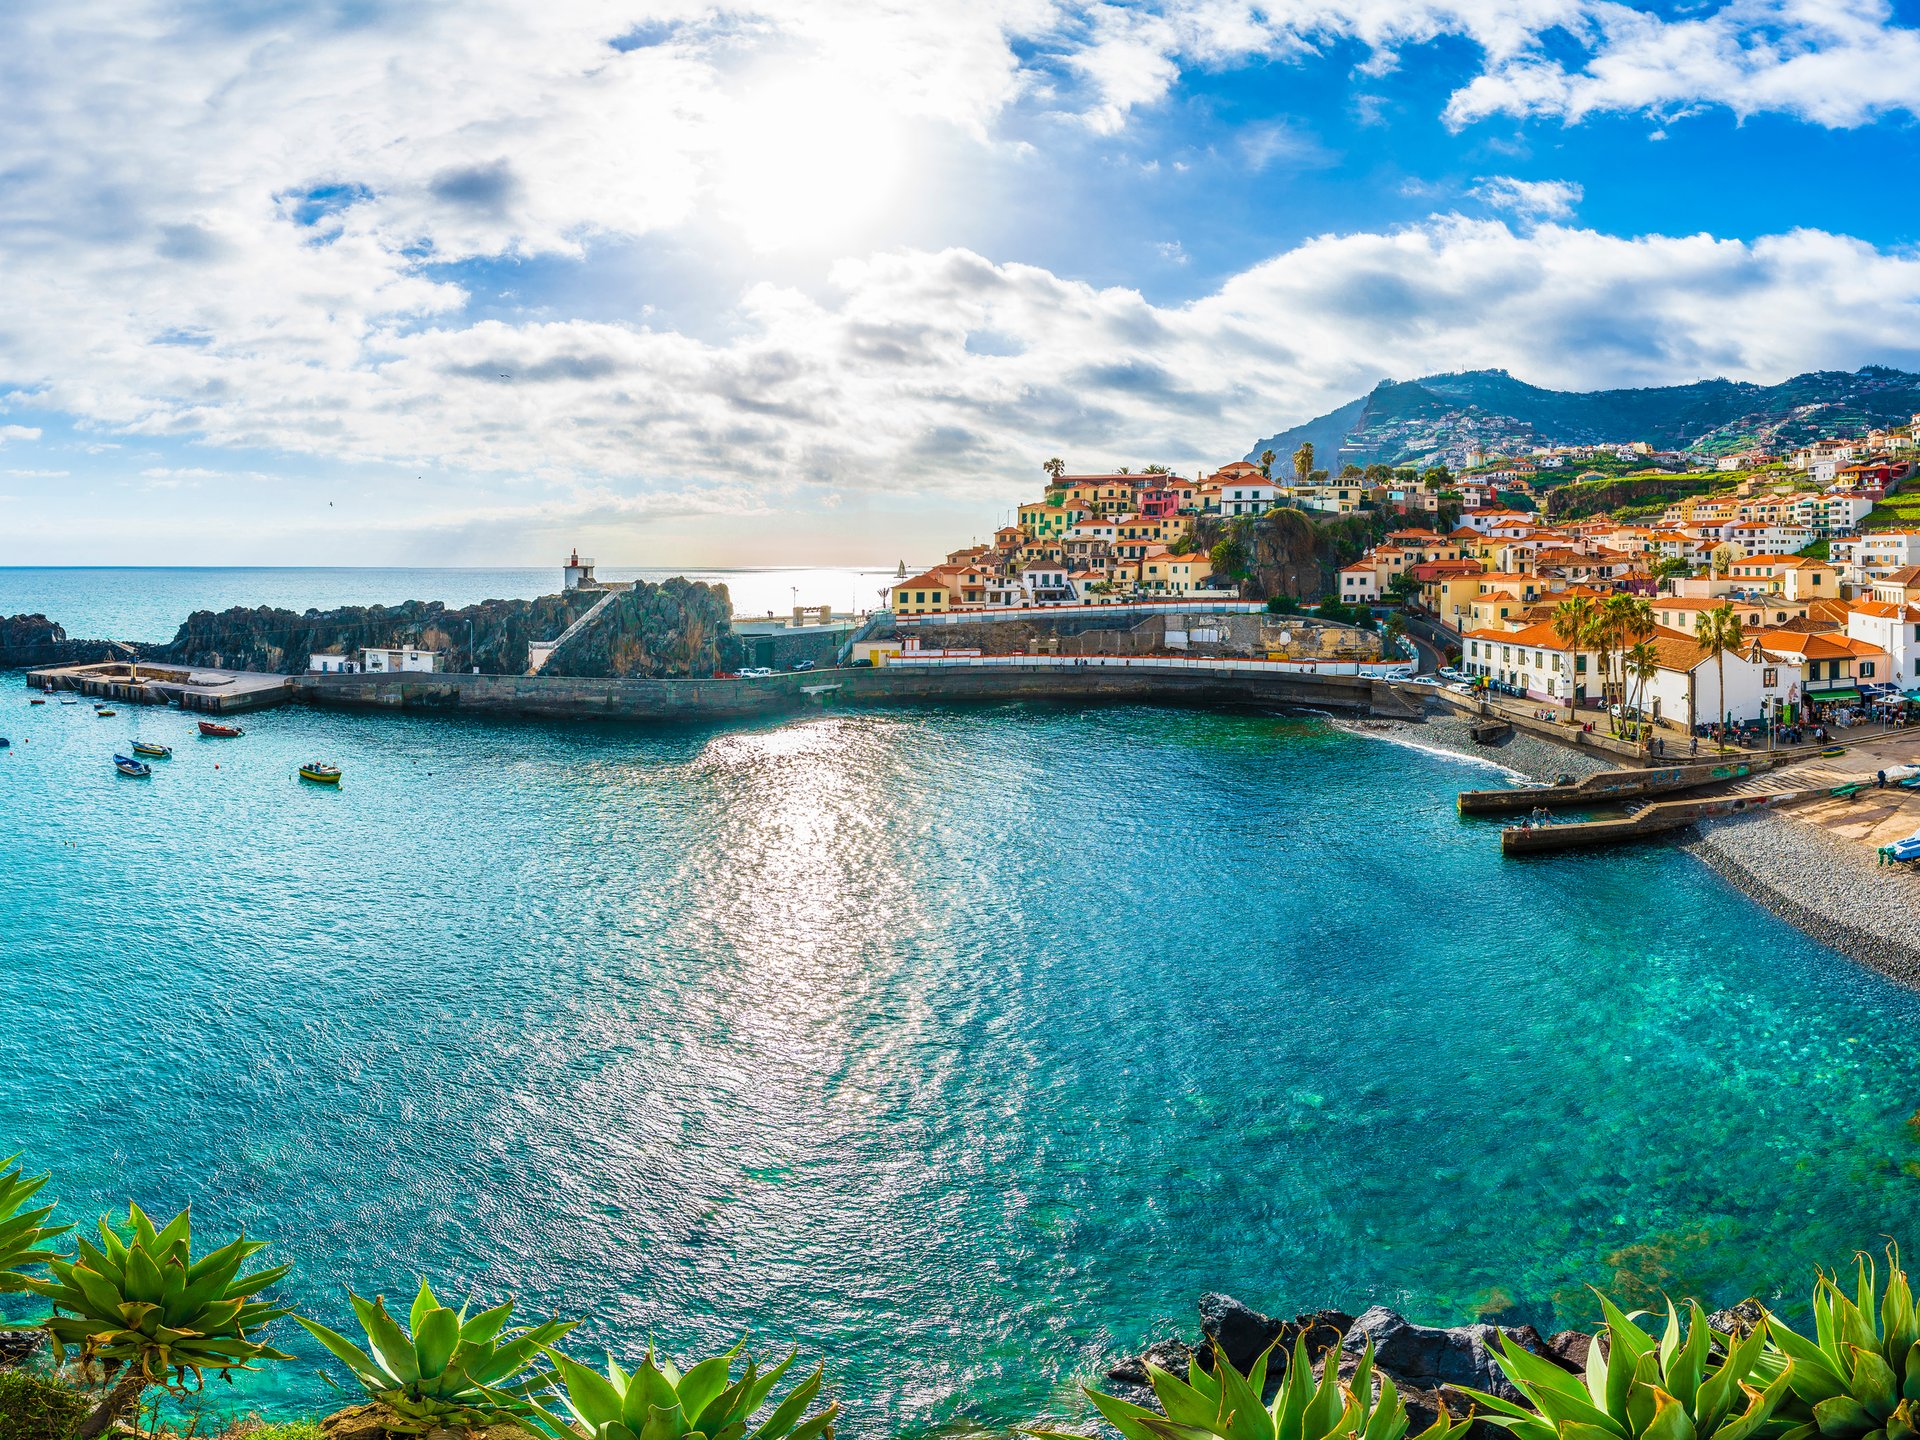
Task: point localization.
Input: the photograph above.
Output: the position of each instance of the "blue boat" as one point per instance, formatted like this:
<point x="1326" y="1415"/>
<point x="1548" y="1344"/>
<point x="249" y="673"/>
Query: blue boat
<point x="127" y="765"/>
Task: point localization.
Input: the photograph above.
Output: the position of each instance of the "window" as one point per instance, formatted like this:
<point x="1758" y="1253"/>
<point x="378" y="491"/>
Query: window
<point x="1866" y="669"/>
<point x="1770" y="678"/>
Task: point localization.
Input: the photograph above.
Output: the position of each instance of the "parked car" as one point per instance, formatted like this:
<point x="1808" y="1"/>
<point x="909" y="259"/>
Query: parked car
<point x="803" y="665"/>
<point x="1433" y="680"/>
<point x="1460" y="687"/>
<point x="754" y="672"/>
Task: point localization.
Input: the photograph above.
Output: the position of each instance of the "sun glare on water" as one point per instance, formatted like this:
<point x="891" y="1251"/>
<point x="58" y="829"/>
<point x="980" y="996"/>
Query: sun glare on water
<point x="810" y="163"/>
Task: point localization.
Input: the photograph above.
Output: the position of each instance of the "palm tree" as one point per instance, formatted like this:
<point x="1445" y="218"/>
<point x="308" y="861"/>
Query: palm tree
<point x="1055" y="467"/>
<point x="1303" y="462"/>
<point x="1573" y="624"/>
<point x="1642" y="664"/>
<point x="1721" y="631"/>
<point x="1625" y="619"/>
<point x="1267" y="457"/>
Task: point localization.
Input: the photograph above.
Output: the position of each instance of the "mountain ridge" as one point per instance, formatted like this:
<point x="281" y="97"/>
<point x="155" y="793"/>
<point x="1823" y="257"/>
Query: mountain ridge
<point x="1439" y="417"/>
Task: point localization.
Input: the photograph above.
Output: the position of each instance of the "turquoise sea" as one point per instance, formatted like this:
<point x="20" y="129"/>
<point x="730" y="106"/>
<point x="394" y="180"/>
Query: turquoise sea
<point x="961" y="1049"/>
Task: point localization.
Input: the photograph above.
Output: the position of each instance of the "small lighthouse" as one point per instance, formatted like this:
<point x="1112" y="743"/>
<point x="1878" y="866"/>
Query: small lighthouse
<point x="578" y="572"/>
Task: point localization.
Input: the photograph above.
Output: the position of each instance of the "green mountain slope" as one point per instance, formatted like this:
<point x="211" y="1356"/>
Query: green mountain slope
<point x="1414" y="421"/>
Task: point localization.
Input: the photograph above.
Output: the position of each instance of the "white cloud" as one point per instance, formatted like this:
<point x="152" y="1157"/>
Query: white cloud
<point x="216" y="228"/>
<point x="18" y="432"/>
<point x="1541" y="199"/>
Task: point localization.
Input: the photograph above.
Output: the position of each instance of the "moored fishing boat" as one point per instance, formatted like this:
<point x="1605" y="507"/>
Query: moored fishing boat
<point x="320" y="773"/>
<point x="219" y="731"/>
<point x="127" y="765"/>
<point x="104" y="712"/>
<point x="69" y="700"/>
<point x="37" y="701"/>
<point x="147" y="747"/>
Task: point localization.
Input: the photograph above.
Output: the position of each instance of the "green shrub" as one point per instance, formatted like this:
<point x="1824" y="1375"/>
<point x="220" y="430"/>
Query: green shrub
<point x="38" y="1407"/>
<point x="147" y="1307"/>
<point x="659" y="1402"/>
<point x="1221" y="1402"/>
<point x="1691" y="1384"/>
<point x="451" y="1370"/>
<point x="1859" y="1377"/>
<point x="278" y="1430"/>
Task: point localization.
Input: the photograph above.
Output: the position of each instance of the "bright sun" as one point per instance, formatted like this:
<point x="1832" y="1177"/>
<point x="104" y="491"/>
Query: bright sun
<point x="803" y="165"/>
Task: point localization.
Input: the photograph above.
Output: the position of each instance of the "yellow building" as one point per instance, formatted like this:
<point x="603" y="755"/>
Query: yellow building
<point x="926" y="594"/>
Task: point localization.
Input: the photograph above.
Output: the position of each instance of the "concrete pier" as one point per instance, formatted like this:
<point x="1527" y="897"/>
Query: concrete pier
<point x="215" y="692"/>
<point x="1610" y="787"/>
<point x="1660" y="818"/>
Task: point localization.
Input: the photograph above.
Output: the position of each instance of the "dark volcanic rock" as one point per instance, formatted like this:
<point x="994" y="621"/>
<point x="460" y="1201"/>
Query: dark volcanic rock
<point x="1173" y="1356"/>
<point x="1568" y="1349"/>
<point x="1430" y="1357"/>
<point x="1740" y="1320"/>
<point x="672" y="630"/>
<point x="28" y="641"/>
<point x="1242" y="1334"/>
<point x="16" y="1346"/>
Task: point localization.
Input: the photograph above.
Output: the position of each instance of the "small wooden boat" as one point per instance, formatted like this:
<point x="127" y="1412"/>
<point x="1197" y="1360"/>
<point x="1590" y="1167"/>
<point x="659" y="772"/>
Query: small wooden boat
<point x="1833" y="750"/>
<point x="36" y="702"/>
<point x="69" y="700"/>
<point x="127" y="765"/>
<point x="147" y="747"/>
<point x="319" y="773"/>
<point x="219" y="731"/>
<point x="104" y="713"/>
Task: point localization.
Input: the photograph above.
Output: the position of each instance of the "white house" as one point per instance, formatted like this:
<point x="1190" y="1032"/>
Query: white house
<point x="1685" y="688"/>
<point x="329" y="662"/>
<point x="1046" y="584"/>
<point x="1359" y="583"/>
<point x="1247" y="497"/>
<point x="1863" y="559"/>
<point x="1532" y="659"/>
<point x="400" y="659"/>
<point x="1895" y="628"/>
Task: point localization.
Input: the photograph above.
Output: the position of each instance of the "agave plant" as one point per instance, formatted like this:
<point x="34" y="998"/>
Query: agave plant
<point x="1859" y="1377"/>
<point x="145" y="1311"/>
<point x="22" y="1235"/>
<point x="659" y="1402"/>
<point x="1691" y="1384"/>
<point x="453" y="1372"/>
<point x="1224" y="1403"/>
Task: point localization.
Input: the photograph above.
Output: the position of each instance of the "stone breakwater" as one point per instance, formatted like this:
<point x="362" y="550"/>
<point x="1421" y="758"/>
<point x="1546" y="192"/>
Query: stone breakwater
<point x="1829" y="889"/>
<point x="1432" y="1367"/>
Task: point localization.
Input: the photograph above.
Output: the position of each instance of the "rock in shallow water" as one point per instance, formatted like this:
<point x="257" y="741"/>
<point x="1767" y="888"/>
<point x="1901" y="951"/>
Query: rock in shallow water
<point x="1431" y="1357"/>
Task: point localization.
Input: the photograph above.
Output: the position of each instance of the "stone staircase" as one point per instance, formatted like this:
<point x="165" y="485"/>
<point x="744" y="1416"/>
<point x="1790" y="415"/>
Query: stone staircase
<point x="541" y="651"/>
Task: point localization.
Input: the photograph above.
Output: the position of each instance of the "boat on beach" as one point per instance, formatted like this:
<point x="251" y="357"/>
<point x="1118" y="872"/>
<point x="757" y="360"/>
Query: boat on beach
<point x="127" y="765"/>
<point x="219" y="731"/>
<point x="320" y="773"/>
<point x="147" y="747"/>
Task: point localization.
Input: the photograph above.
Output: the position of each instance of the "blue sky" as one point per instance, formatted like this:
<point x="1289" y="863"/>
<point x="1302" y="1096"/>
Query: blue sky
<point x="818" y="281"/>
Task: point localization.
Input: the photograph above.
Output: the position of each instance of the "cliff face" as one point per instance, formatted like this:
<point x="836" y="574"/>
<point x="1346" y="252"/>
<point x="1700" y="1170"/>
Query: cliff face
<point x="1571" y="502"/>
<point x="280" y="641"/>
<point x="673" y="630"/>
<point x="1284" y="552"/>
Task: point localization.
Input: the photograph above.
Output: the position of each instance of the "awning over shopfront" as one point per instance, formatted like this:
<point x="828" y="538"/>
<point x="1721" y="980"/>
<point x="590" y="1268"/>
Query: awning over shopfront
<point x="1823" y="697"/>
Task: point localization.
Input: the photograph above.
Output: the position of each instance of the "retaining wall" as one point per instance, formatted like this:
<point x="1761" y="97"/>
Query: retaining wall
<point x="694" y="701"/>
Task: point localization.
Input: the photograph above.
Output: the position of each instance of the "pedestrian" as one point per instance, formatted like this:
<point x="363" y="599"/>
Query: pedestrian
<point x="1693" y="746"/>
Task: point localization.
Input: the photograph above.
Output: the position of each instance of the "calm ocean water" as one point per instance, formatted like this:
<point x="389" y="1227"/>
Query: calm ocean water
<point x="149" y="604"/>
<point x="960" y="1049"/>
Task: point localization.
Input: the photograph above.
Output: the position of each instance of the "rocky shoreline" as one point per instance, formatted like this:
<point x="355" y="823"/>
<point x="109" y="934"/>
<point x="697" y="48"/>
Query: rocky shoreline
<point x="1429" y="1365"/>
<point x="1831" y="890"/>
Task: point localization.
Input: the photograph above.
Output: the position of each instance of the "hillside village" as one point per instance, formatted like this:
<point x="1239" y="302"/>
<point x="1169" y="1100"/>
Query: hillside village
<point x="1782" y="590"/>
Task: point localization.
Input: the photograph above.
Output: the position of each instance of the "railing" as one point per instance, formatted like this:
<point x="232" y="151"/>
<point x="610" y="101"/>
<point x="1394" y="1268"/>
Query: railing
<point x="1367" y="669"/>
<point x="1143" y="607"/>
